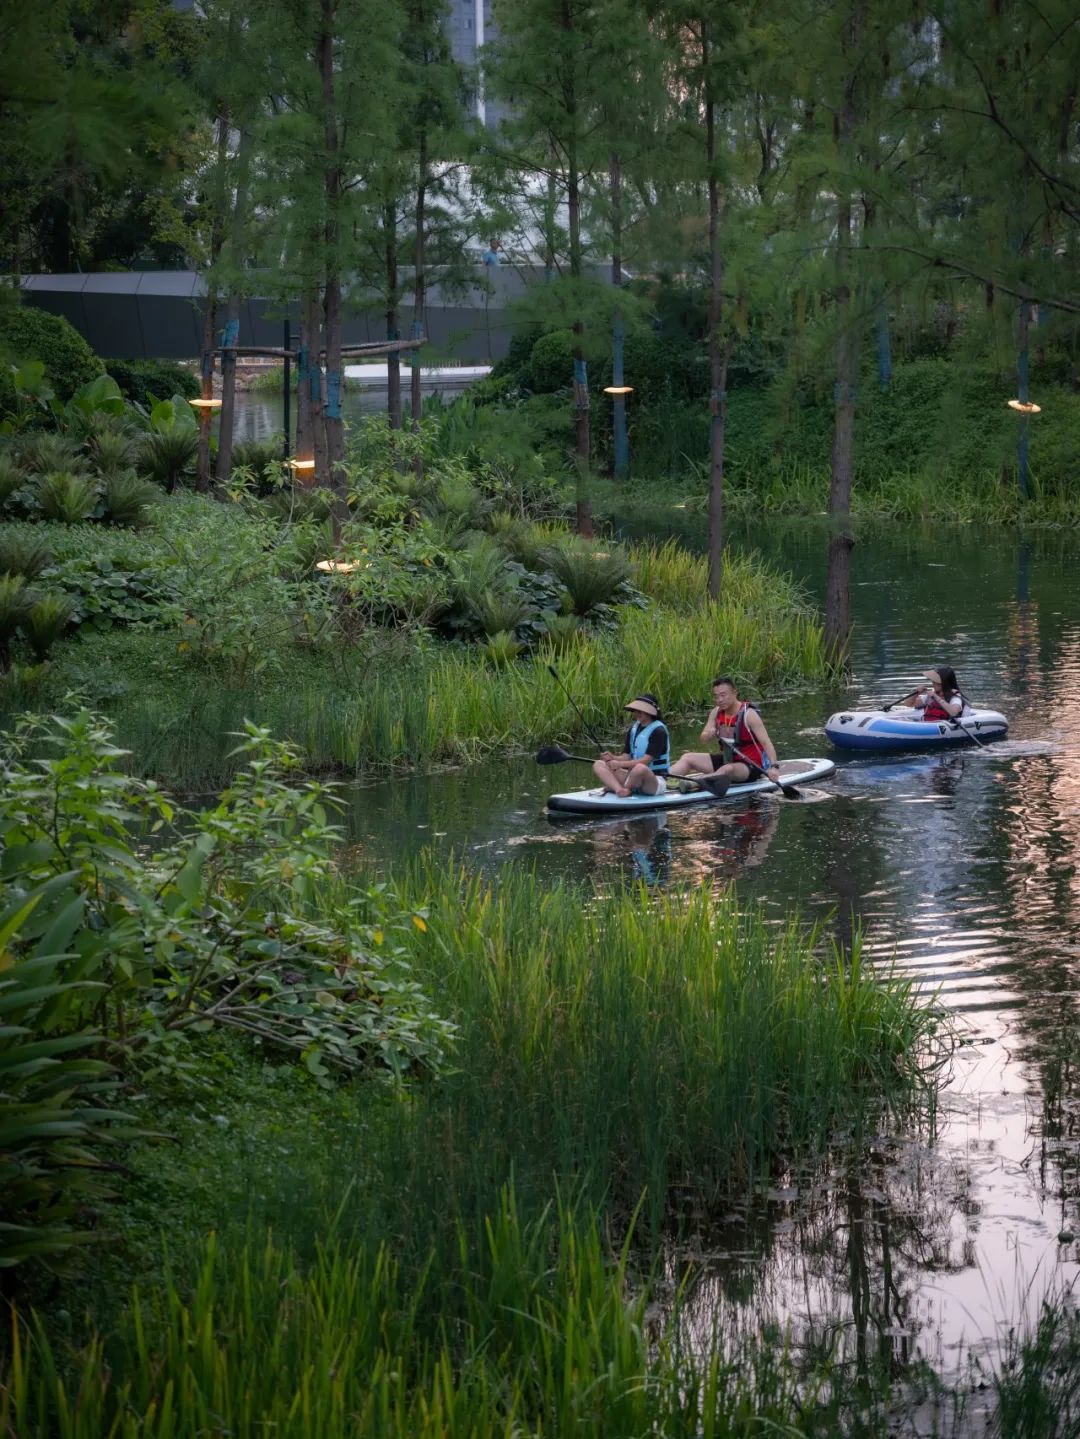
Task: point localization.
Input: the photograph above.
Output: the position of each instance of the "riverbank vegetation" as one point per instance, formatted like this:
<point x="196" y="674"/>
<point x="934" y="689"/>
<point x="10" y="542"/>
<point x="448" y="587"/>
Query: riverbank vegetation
<point x="426" y="638"/>
<point x="449" y="1121"/>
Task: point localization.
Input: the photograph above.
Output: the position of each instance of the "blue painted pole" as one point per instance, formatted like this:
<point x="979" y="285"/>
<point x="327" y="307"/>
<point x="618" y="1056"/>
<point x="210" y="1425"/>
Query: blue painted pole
<point x="622" y="439"/>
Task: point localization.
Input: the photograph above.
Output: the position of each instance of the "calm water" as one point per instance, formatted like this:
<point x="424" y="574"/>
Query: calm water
<point x="261" y="415"/>
<point x="960" y="869"/>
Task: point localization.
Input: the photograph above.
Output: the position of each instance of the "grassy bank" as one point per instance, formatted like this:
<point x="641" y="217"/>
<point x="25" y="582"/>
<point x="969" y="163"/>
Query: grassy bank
<point x="448" y="1258"/>
<point x="239" y="638"/>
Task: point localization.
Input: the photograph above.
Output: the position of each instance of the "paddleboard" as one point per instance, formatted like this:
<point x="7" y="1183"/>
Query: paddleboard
<point x="900" y="729"/>
<point x="598" y="801"/>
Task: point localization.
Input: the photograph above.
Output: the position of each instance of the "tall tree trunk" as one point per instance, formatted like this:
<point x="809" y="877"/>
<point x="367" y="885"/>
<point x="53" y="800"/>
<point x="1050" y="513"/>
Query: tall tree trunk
<point x="841" y="540"/>
<point x="232" y="321"/>
<point x="332" y="381"/>
<point x="416" y="399"/>
<point x="719" y="351"/>
<point x="393" y="361"/>
<point x="621" y="466"/>
<point x="217" y="232"/>
<point x="582" y="435"/>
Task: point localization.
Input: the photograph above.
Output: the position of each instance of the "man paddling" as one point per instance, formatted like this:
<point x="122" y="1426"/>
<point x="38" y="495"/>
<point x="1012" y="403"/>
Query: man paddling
<point x="646" y="753"/>
<point x="738" y="729"/>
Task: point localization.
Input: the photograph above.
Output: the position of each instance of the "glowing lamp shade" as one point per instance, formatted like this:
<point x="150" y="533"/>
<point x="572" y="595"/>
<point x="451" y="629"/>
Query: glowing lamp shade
<point x="205" y="404"/>
<point x="303" y="467"/>
<point x="337" y="567"/>
<point x="618" y="389"/>
<point x="1025" y="407"/>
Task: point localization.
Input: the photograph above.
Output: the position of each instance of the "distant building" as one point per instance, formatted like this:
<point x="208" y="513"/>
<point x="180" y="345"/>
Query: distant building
<point x="471" y="26"/>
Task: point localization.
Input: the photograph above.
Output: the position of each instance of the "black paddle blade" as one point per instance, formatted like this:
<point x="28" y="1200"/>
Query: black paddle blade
<point x="552" y="754"/>
<point x="717" y="784"/>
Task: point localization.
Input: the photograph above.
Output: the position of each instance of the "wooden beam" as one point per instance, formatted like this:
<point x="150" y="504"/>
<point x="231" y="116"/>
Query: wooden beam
<point x="372" y="347"/>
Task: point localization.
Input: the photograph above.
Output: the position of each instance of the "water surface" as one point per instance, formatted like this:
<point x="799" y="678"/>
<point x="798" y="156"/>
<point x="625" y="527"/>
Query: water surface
<point x="960" y="869"/>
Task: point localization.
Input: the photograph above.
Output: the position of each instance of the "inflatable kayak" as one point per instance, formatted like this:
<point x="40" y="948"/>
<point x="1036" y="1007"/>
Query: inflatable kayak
<point x="598" y="801"/>
<point x="906" y="729"/>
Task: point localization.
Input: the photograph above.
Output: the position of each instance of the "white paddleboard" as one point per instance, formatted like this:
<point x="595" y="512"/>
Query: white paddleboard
<point x="597" y="801"/>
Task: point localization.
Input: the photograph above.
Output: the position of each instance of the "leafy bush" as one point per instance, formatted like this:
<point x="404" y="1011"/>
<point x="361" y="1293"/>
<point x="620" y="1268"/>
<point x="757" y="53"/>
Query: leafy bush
<point x="223" y="928"/>
<point x="42" y="451"/>
<point x="11" y="480"/>
<point x="142" y="380"/>
<point x="256" y="456"/>
<point x="499" y="611"/>
<point x="111" y="589"/>
<point x="591" y="577"/>
<point x="112" y="450"/>
<point x="128" y="499"/>
<point x="27" y="333"/>
<point x="22" y="553"/>
<point x="54" y="1095"/>
<point x="15" y="601"/>
<point x="551" y="363"/>
<point x="502" y="648"/>
<point x="166" y="455"/>
<point x="67" y="496"/>
<point x="46" y="621"/>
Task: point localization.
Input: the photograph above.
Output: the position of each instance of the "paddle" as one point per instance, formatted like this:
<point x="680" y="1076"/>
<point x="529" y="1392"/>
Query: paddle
<point x="959" y="724"/>
<point x="787" y="790"/>
<point x="903" y="698"/>
<point x="554" y="673"/>
<point x="555" y="754"/>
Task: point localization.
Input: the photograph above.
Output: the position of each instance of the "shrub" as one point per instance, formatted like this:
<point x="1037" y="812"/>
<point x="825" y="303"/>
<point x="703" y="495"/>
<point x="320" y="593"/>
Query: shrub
<point x="502" y="648"/>
<point x="45" y="623"/>
<point x="27" y="333"/>
<point x="11" y="480"/>
<point x="22" y="553"/>
<point x="591" y="577"/>
<point x="166" y="455"/>
<point x="498" y="611"/>
<point x="44" y="450"/>
<point x="67" y="496"/>
<point x="111" y="450"/>
<point x="128" y="499"/>
<point x="141" y="379"/>
<point x="15" y="602"/>
<point x="256" y="456"/>
<point x="551" y="363"/>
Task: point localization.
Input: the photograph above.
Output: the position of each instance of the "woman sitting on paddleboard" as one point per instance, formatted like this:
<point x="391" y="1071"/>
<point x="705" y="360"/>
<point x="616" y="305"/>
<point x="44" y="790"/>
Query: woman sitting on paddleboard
<point x="739" y="730"/>
<point x="943" y="700"/>
<point x="646" y="753"/>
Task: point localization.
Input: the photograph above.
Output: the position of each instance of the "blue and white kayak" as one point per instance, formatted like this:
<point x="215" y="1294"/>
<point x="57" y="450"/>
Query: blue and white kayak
<point x="598" y="801"/>
<point x="898" y="729"/>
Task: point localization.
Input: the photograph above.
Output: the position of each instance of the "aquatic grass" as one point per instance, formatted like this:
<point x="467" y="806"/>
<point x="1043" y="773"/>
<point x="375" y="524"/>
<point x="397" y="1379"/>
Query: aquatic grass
<point x="536" y="1328"/>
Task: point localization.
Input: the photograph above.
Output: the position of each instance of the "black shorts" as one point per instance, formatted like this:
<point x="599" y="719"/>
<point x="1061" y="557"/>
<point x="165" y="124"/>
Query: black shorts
<point x="717" y="760"/>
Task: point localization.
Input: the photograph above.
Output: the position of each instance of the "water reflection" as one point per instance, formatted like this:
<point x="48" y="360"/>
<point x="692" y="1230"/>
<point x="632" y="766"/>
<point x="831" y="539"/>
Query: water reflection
<point x="959" y="869"/>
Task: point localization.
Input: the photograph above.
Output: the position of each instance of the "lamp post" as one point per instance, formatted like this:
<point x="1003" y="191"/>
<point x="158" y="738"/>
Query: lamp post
<point x="618" y="392"/>
<point x="204" y="407"/>
<point x="1024" y="408"/>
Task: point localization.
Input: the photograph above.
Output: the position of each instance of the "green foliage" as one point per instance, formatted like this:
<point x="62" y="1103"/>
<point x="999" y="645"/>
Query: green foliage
<point x="42" y="451"/>
<point x="112" y="450"/>
<point x="256" y="456"/>
<point x="140" y="380"/>
<point x="551" y="363"/>
<point x="501" y="647"/>
<point x="1038" y="1383"/>
<point x="215" y="929"/>
<point x="67" y="496"/>
<point x="27" y="333"/>
<point x="15" y="601"/>
<point x="98" y="401"/>
<point x="46" y="621"/>
<point x="11" y="480"/>
<point x="590" y="576"/>
<point x="168" y="453"/>
<point x="128" y="499"/>
<point x="54" y="1093"/>
<point x="22" y="552"/>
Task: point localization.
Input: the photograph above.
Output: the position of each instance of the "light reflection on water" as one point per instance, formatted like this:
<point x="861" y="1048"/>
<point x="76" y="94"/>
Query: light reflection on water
<point x="958" y="869"/>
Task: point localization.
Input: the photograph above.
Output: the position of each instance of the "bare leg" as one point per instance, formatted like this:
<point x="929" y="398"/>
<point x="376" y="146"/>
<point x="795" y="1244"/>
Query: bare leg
<point x="608" y="778"/>
<point x="692" y="763"/>
<point x="736" y="773"/>
<point x="641" y="778"/>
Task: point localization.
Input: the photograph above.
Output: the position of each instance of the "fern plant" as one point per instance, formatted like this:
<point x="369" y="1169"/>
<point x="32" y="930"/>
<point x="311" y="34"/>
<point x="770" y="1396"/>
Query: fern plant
<point x="167" y="455"/>
<point x="11" y="480"/>
<point x="128" y="499"/>
<point x="502" y="648"/>
<point x="112" y="451"/>
<point x="590" y="577"/>
<point x="46" y="621"/>
<point x="23" y="553"/>
<point x="16" y="598"/>
<point x="43" y="451"/>
<point x="67" y="496"/>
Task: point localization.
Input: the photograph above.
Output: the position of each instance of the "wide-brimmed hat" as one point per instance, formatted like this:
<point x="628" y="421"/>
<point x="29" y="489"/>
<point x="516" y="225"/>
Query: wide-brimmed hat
<point x="646" y="704"/>
<point x="933" y="676"/>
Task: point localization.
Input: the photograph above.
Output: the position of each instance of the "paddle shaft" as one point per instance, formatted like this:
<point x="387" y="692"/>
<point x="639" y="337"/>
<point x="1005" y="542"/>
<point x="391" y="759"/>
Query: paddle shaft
<point x="588" y="729"/>
<point x="785" y="789"/>
<point x="902" y="700"/>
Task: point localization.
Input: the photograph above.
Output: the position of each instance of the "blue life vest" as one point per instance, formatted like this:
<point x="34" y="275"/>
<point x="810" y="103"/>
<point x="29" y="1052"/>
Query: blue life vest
<point x="639" y="744"/>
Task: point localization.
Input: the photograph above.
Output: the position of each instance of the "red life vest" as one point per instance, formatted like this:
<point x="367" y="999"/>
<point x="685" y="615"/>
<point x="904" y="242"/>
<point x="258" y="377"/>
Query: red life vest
<point x="736" y="731"/>
<point x="934" y="710"/>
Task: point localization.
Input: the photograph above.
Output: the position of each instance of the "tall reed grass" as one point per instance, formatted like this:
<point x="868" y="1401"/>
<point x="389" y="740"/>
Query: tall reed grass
<point x="539" y="1329"/>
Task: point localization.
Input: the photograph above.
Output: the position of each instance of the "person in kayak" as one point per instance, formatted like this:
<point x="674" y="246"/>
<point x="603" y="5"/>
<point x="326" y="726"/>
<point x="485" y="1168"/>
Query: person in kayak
<point x="643" y="764"/>
<point x="739" y="730"/>
<point x="943" y="700"/>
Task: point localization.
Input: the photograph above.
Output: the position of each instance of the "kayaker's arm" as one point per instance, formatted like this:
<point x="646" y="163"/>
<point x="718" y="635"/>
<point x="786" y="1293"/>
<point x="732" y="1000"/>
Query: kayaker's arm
<point x="709" y="732"/>
<point x="756" y="725"/>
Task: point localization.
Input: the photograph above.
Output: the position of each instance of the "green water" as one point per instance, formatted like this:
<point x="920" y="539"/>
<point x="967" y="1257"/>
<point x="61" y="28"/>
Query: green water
<point x="960" y="869"/>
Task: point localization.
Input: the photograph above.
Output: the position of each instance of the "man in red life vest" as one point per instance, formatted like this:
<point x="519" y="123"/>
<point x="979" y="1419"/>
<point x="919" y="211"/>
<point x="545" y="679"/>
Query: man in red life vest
<point x="737" y="728"/>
